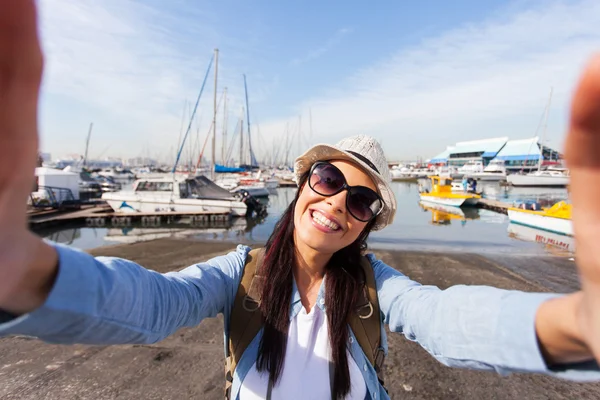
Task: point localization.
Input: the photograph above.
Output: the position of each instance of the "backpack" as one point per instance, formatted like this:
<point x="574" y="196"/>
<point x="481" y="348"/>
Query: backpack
<point x="246" y="319"/>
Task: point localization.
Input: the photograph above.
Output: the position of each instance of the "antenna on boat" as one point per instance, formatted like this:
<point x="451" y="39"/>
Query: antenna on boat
<point x="87" y="144"/>
<point x="541" y="159"/>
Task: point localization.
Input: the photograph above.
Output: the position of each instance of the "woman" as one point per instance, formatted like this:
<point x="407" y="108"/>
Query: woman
<point x="311" y="262"/>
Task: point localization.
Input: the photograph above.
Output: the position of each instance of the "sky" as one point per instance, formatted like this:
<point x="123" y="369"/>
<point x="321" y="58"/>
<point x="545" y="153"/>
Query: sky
<point x="417" y="76"/>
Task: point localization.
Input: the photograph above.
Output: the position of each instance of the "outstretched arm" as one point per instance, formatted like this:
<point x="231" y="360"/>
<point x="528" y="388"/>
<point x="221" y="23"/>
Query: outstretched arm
<point x="114" y="301"/>
<point x="479" y="327"/>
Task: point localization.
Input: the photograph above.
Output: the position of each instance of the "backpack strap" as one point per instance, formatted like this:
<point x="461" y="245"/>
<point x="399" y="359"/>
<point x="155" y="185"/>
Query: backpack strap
<point x="246" y="319"/>
<point x="365" y="322"/>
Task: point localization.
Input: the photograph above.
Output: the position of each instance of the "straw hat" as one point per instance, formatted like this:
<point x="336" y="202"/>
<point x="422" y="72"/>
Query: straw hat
<point x="367" y="153"/>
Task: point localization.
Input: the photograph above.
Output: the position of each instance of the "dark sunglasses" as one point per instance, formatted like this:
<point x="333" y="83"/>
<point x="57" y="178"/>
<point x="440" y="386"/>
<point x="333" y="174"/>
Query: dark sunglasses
<point x="362" y="203"/>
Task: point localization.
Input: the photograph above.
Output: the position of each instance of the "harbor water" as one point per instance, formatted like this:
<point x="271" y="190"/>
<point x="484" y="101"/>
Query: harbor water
<point x="416" y="226"/>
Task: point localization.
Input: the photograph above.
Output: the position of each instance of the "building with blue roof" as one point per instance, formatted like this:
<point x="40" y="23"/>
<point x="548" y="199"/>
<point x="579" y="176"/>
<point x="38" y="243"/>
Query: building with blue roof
<point x="475" y="150"/>
<point x="517" y="154"/>
<point x="442" y="158"/>
<point x="526" y="153"/>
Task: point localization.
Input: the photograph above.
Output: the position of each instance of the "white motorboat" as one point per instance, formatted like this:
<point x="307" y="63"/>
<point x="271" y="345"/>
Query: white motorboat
<point x="547" y="178"/>
<point x="177" y="194"/>
<point x="494" y="171"/>
<point x="118" y="175"/>
<point x="556" y="219"/>
<point x="401" y="173"/>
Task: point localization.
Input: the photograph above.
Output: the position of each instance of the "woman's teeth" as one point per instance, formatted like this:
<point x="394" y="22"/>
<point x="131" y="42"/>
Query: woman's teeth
<point x="323" y="221"/>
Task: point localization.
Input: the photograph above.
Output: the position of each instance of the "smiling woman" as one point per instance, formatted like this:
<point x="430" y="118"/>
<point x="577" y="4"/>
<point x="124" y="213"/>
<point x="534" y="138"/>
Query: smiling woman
<point x="314" y="280"/>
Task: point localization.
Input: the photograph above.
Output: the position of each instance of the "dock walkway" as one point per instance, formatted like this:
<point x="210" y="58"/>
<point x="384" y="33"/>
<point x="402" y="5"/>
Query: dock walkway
<point x="493" y="205"/>
<point x="103" y="215"/>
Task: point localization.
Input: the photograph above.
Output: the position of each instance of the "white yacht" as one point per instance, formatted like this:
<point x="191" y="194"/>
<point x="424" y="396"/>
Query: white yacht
<point x="118" y="175"/>
<point x="494" y="171"/>
<point x="471" y="167"/>
<point x="177" y="194"/>
<point x="552" y="177"/>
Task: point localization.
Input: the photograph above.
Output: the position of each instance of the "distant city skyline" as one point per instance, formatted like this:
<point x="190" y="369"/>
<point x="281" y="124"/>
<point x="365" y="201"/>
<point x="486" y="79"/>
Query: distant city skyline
<point x="414" y="79"/>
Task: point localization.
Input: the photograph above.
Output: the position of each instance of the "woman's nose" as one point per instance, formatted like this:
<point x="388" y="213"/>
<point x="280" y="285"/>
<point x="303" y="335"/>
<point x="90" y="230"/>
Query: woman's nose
<point x="338" y="201"/>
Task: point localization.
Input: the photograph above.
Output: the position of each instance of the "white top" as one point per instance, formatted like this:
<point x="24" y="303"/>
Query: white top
<point x="305" y="372"/>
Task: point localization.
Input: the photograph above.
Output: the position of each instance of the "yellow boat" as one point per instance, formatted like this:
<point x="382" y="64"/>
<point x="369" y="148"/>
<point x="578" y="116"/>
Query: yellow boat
<point x="441" y="193"/>
<point x="556" y="219"/>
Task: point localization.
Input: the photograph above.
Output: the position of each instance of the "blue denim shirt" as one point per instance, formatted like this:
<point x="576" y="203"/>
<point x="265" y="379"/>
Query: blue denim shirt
<point x="114" y="301"/>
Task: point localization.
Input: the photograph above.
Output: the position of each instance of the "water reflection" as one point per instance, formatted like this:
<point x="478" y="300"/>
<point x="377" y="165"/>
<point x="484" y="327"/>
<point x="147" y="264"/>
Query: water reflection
<point x="551" y="242"/>
<point x="132" y="234"/>
<point x="443" y="215"/>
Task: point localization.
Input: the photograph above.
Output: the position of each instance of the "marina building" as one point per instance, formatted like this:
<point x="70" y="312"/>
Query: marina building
<point x="517" y="154"/>
<point x="475" y="150"/>
<point x="524" y="154"/>
<point x="442" y="158"/>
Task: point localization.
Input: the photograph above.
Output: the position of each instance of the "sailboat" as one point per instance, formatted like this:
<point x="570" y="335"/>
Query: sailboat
<point x="183" y="194"/>
<point x="552" y="177"/>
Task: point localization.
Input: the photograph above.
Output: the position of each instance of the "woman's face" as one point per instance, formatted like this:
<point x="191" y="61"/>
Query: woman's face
<point x="324" y="224"/>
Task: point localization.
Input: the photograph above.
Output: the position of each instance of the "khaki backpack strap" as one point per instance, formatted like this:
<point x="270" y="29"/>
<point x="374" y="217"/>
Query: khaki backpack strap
<point x="366" y="321"/>
<point x="246" y="319"/>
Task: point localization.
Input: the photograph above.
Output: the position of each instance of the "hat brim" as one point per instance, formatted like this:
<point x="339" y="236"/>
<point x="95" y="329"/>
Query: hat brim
<point x="325" y="152"/>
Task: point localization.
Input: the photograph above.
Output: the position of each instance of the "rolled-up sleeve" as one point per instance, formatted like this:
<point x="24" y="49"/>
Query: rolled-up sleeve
<point x="115" y="301"/>
<point x="476" y="327"/>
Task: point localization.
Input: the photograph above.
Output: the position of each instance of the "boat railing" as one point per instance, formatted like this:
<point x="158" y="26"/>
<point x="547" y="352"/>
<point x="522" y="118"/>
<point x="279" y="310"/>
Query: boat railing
<point x="54" y="197"/>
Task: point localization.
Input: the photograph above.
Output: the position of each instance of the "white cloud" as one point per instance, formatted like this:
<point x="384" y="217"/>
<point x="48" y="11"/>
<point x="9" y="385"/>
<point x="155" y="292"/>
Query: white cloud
<point x="132" y="66"/>
<point x="324" y="48"/>
<point x="481" y="80"/>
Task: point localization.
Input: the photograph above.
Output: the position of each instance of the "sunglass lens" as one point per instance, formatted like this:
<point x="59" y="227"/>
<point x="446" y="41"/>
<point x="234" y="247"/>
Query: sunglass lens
<point x="363" y="203"/>
<point x="326" y="179"/>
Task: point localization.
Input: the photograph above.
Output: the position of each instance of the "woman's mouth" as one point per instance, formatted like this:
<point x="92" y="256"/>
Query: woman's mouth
<point x="324" y="223"/>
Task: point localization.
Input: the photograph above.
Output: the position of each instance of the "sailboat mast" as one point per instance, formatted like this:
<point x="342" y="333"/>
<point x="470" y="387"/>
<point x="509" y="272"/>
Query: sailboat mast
<point x="299" y="134"/>
<point x="248" y="122"/>
<point x="87" y="144"/>
<point x="242" y="138"/>
<point x="541" y="159"/>
<point x="212" y="172"/>
<point x="224" y="140"/>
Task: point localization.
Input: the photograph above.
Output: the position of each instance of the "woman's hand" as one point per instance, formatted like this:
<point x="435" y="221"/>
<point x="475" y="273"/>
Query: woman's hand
<point x="27" y="265"/>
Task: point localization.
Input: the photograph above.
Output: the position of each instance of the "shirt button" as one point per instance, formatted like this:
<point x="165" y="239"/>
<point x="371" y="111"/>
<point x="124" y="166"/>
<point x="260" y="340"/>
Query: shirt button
<point x="374" y="395"/>
<point x="322" y="301"/>
<point x="351" y="339"/>
<point x="365" y="367"/>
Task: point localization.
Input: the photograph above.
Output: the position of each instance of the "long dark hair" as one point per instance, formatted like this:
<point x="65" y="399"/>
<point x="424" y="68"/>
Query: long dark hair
<point x="345" y="279"/>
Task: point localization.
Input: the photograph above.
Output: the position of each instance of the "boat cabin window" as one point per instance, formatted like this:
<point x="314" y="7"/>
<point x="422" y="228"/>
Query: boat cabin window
<point x="149" y="186"/>
<point x="183" y="190"/>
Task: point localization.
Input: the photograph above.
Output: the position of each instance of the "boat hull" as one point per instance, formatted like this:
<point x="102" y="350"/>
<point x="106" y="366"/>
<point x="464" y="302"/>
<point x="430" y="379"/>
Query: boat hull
<point x="445" y="201"/>
<point x="134" y="204"/>
<point x="537" y="181"/>
<point x="490" y="177"/>
<point x="561" y="226"/>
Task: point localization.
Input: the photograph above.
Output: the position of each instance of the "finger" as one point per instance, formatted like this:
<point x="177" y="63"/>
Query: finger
<point x="20" y="53"/>
<point x="20" y="75"/>
<point x="583" y="140"/>
<point x="582" y="153"/>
